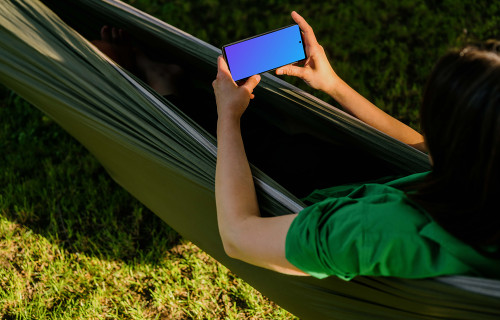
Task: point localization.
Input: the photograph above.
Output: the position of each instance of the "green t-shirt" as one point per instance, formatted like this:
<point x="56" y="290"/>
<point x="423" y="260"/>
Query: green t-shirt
<point x="375" y="230"/>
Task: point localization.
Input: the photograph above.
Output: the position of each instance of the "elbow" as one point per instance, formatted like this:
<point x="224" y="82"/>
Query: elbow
<point x="230" y="248"/>
<point x="232" y="241"/>
<point x="236" y="238"/>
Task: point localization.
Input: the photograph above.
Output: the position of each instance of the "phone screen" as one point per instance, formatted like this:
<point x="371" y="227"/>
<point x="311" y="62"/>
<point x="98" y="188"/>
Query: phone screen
<point x="264" y="52"/>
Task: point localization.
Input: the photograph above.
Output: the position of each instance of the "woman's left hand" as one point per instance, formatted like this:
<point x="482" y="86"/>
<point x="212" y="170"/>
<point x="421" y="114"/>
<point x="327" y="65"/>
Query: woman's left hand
<point x="232" y="100"/>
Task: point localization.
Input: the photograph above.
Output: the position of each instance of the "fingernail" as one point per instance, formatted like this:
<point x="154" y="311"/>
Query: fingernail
<point x="279" y="71"/>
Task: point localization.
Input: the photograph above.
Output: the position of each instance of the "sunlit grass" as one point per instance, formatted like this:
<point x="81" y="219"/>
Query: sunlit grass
<point x="73" y="244"/>
<point x="40" y="279"/>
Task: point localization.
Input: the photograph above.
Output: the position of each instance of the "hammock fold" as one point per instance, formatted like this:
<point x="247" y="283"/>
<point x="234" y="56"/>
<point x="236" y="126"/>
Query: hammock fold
<point x="165" y="159"/>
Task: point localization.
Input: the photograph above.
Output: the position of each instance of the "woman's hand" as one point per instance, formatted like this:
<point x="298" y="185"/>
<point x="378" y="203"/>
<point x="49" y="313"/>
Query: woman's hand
<point x="317" y="71"/>
<point x="232" y="100"/>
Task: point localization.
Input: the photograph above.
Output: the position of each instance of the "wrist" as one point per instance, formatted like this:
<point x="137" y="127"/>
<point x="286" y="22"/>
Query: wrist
<point x="228" y="119"/>
<point x="335" y="87"/>
<point x="228" y="122"/>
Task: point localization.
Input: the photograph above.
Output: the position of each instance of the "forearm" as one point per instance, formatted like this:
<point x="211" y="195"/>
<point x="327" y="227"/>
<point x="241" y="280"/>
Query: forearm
<point x="234" y="189"/>
<point x="244" y="233"/>
<point x="361" y="108"/>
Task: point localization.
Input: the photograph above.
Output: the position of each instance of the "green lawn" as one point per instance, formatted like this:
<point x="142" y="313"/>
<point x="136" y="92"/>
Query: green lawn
<point x="74" y="245"/>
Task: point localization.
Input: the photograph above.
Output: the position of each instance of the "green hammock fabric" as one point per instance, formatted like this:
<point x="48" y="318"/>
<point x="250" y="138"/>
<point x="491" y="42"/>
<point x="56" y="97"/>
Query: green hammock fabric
<point x="167" y="161"/>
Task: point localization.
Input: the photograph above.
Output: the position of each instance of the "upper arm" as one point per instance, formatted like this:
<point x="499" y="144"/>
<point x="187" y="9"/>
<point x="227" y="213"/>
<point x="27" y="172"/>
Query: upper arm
<point x="261" y="242"/>
<point x="422" y="146"/>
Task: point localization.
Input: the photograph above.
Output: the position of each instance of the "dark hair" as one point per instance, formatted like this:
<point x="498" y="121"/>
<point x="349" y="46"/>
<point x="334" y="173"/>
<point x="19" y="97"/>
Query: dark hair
<point x="461" y="123"/>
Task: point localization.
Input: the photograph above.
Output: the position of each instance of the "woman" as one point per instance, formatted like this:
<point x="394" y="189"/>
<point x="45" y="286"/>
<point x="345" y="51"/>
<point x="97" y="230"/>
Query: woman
<point x="430" y="224"/>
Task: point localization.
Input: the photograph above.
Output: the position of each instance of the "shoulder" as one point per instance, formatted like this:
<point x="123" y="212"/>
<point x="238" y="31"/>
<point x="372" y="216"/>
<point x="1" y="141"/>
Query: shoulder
<point x="330" y="237"/>
<point x="372" y="211"/>
<point x="374" y="230"/>
<point x="372" y="204"/>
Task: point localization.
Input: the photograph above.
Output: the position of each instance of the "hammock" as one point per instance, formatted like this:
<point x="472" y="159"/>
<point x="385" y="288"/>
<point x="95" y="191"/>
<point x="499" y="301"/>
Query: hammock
<point x="155" y="150"/>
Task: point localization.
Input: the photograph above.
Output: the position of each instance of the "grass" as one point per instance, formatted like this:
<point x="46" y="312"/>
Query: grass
<point x="75" y="245"/>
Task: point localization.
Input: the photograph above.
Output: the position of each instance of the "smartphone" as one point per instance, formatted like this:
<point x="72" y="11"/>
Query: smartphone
<point x="264" y="52"/>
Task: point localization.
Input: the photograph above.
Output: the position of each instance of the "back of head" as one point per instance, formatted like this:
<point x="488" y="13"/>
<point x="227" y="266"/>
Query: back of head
<point x="461" y="124"/>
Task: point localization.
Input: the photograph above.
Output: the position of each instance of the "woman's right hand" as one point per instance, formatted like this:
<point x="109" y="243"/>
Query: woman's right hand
<point x="317" y="71"/>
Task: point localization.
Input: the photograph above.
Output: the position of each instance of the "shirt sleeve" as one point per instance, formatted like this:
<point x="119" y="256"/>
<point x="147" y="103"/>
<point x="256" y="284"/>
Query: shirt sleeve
<point x="325" y="238"/>
<point x="377" y="234"/>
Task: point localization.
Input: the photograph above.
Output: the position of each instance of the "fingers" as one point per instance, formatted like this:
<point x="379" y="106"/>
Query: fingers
<point x="309" y="36"/>
<point x="291" y="70"/>
<point x="251" y="83"/>
<point x="223" y="75"/>
<point x="222" y="72"/>
<point x="222" y="68"/>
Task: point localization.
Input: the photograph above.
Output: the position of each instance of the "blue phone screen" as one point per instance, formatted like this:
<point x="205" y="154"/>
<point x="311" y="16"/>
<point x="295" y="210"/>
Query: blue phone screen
<point x="264" y="53"/>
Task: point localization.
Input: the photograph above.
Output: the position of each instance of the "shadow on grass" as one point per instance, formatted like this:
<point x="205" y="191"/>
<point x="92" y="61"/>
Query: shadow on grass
<point x="53" y="186"/>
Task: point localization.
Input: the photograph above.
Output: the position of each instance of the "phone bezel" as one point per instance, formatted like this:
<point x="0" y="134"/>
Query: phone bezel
<point x="260" y="35"/>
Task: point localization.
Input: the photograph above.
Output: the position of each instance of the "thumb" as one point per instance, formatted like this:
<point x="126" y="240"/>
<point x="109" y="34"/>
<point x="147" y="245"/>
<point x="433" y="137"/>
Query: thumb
<point x="252" y="82"/>
<point x="222" y="68"/>
<point x="291" y="71"/>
